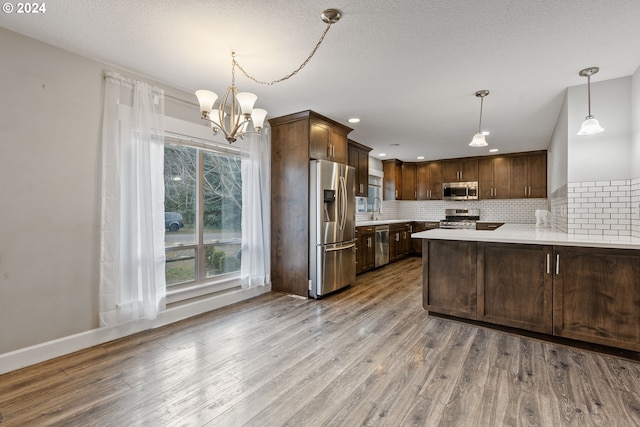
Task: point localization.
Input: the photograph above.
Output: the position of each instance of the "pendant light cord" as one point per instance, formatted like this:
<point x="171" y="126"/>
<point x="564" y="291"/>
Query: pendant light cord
<point x="293" y="73"/>
<point x="589" y="93"/>
<point x="480" y="123"/>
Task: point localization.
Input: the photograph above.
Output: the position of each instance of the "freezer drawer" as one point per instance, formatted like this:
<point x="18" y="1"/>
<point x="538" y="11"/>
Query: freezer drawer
<point x="334" y="267"/>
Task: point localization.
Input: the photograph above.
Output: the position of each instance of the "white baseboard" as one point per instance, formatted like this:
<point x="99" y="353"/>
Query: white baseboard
<point x="51" y="349"/>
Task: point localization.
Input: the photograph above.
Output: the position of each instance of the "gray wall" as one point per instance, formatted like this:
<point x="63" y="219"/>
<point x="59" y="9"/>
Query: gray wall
<point x="50" y="127"/>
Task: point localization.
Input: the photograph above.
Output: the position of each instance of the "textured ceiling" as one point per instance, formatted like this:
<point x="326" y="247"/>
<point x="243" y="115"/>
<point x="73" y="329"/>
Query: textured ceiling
<point x="408" y="69"/>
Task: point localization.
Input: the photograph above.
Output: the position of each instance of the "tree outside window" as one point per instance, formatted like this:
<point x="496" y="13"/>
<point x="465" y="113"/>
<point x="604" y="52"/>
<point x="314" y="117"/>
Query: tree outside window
<point x="205" y="189"/>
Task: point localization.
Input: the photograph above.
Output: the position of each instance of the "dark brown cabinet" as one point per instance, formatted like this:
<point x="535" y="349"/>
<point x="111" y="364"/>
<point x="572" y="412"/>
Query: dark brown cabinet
<point x="365" y="244"/>
<point x="327" y="140"/>
<point x="460" y="170"/>
<point x="529" y="175"/>
<point x="399" y="241"/>
<point x="450" y="289"/>
<point x="429" y="181"/>
<point x="359" y="159"/>
<point x="515" y="286"/>
<point x="296" y="138"/>
<point x="581" y="293"/>
<point x="392" y="181"/>
<point x="408" y="181"/>
<point x="418" y="226"/>
<point x="597" y="296"/>
<point x="494" y="177"/>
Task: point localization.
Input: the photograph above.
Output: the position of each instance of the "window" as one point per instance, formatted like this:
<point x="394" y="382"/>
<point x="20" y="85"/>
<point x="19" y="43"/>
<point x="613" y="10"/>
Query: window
<point x="203" y="214"/>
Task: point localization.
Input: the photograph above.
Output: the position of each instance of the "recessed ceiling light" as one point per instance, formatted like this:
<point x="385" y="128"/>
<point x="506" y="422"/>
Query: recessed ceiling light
<point x="382" y="154"/>
<point x="420" y="157"/>
<point x="354" y="120"/>
<point x="494" y="150"/>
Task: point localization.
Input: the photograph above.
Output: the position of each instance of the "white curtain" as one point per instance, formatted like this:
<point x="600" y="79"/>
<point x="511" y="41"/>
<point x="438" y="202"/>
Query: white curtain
<point x="256" y="210"/>
<point x="132" y="281"/>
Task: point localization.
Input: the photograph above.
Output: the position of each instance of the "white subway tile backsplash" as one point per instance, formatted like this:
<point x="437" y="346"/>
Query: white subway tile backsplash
<point x="603" y="207"/>
<point x="509" y="210"/>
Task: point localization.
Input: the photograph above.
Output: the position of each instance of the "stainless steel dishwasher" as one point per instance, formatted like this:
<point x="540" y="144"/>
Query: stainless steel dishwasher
<point x="382" y="245"/>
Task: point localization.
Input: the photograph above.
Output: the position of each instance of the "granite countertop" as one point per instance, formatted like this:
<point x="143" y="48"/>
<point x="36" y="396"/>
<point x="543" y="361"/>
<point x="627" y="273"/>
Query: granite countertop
<point x="530" y="234"/>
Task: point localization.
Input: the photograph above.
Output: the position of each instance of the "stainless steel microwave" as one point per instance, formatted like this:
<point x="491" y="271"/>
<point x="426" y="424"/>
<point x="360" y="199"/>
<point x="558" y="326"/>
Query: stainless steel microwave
<point x="460" y="190"/>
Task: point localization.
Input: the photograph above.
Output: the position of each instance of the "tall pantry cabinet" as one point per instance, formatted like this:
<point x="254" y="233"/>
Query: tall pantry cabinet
<point x="296" y="139"/>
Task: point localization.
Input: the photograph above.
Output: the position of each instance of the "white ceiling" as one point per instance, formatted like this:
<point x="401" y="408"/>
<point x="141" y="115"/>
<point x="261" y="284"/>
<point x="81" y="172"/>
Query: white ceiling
<point x="408" y="69"/>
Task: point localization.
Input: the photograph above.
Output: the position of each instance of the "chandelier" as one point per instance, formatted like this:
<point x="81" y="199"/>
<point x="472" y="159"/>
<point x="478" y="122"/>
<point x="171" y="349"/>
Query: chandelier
<point x="235" y="114"/>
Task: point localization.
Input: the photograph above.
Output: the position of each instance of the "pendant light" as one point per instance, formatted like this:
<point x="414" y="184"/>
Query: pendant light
<point x="590" y="126"/>
<point x="478" y="139"/>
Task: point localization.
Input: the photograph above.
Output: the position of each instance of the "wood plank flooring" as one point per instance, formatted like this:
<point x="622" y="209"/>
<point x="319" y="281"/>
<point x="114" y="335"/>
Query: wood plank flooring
<point x="367" y="356"/>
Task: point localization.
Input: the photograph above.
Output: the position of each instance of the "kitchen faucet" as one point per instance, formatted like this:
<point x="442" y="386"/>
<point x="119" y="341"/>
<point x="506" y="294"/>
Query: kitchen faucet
<point x="373" y="214"/>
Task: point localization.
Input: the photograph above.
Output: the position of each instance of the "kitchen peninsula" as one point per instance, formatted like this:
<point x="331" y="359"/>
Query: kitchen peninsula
<point x="584" y="288"/>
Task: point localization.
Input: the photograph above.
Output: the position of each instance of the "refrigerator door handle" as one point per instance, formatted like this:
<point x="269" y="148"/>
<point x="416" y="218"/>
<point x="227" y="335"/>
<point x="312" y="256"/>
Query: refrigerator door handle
<point x="342" y="203"/>
<point x="340" y="248"/>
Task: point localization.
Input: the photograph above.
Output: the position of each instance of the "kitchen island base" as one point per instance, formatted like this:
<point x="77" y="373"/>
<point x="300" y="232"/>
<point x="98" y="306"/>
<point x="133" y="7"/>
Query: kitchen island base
<point x="581" y="293"/>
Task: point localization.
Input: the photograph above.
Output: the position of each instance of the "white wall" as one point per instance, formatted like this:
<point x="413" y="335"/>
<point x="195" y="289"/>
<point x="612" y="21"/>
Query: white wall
<point x="607" y="155"/>
<point x="50" y="126"/>
<point x="557" y="153"/>
<point x="635" y="123"/>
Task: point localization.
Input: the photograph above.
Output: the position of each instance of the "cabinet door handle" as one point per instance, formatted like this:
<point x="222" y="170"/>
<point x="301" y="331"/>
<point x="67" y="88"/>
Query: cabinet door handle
<point x="557" y="264"/>
<point x="415" y="194"/>
<point x="396" y="194"/>
<point x="548" y="263"/>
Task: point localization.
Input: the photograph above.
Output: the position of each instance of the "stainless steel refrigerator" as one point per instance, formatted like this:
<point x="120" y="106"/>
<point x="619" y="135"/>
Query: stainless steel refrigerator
<point x="332" y="216"/>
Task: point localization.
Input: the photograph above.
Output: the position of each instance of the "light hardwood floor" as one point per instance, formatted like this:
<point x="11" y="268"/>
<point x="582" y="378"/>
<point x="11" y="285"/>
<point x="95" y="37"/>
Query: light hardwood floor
<point x="367" y="356"/>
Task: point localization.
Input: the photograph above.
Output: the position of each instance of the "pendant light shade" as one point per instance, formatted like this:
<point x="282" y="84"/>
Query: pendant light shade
<point x="479" y="139"/>
<point x="590" y="126"/>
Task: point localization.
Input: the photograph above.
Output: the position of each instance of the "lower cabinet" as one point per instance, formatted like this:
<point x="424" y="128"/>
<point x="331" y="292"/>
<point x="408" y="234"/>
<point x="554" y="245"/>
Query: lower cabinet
<point x="587" y="294"/>
<point x="399" y="241"/>
<point x="365" y="249"/>
<point x="418" y="226"/>
<point x="515" y="286"/>
<point x="597" y="296"/>
<point x="449" y="277"/>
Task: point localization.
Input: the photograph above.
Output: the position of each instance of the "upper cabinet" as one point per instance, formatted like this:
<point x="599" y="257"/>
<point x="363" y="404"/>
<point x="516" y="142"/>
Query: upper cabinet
<point x="359" y="159"/>
<point x="509" y="176"/>
<point x="409" y="181"/>
<point x="529" y="175"/>
<point x="429" y="181"/>
<point x="494" y="177"/>
<point x="465" y="169"/>
<point x="327" y="139"/>
<point x="392" y="181"/>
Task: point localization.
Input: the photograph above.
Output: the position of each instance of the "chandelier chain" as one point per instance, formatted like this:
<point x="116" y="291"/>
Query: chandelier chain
<point x="293" y="73"/>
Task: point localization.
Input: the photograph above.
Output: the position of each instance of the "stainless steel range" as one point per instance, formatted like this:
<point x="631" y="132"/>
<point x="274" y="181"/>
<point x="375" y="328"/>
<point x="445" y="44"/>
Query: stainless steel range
<point x="462" y="219"/>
